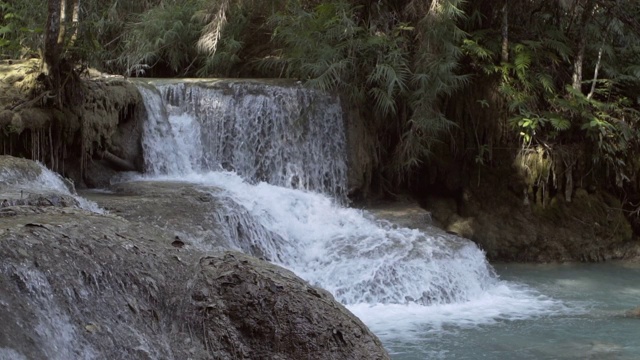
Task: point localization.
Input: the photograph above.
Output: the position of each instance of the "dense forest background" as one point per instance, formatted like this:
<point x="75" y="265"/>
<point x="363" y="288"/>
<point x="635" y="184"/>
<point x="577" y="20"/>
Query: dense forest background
<point x="448" y="88"/>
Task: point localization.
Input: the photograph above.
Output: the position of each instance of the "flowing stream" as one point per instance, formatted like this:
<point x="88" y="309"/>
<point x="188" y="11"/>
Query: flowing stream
<point x="278" y="153"/>
<point x="40" y="181"/>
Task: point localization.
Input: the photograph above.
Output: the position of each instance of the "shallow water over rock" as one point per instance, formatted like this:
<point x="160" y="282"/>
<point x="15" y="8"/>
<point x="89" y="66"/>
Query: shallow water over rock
<point x="76" y="284"/>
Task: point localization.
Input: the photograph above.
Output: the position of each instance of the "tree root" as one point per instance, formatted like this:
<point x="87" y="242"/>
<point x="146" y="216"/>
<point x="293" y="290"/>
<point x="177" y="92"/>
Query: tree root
<point x="31" y="102"/>
<point x="117" y="162"/>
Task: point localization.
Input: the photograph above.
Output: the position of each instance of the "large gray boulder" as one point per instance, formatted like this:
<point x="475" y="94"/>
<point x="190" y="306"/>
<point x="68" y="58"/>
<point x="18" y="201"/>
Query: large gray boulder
<point x="269" y="313"/>
<point x="198" y="216"/>
<point x="80" y="285"/>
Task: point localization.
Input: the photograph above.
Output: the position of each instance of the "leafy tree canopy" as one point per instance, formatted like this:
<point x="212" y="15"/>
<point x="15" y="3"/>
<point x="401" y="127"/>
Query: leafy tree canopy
<point x="436" y="79"/>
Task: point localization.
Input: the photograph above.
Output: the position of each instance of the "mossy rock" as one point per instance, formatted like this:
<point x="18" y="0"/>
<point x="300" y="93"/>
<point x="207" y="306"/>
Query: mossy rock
<point x="35" y="118"/>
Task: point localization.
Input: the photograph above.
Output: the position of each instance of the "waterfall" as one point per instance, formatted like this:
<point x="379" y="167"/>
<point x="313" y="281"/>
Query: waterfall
<point x="278" y="152"/>
<point x="355" y="257"/>
<point x="284" y="135"/>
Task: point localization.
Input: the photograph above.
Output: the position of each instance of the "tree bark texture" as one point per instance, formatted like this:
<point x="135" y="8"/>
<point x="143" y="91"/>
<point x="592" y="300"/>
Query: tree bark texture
<point x="505" y="32"/>
<point x="587" y="11"/>
<point x="69" y="21"/>
<point x="595" y="73"/>
<point x="52" y="32"/>
<point x="63" y="21"/>
<point x="52" y="47"/>
<point x="75" y="21"/>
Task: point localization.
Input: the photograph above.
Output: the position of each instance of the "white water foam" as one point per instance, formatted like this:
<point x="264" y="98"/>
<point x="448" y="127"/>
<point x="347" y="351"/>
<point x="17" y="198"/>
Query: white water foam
<point x="57" y="336"/>
<point x="377" y="269"/>
<point x="284" y="135"/>
<point x="355" y="258"/>
<point x="505" y="301"/>
<point x="398" y="280"/>
<point x="47" y="180"/>
<point x="163" y="138"/>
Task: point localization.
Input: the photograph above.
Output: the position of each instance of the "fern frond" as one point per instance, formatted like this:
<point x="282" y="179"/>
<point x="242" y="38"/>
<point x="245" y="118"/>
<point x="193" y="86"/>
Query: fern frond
<point x="216" y="19"/>
<point x="559" y="123"/>
<point x="383" y="101"/>
<point x="546" y="82"/>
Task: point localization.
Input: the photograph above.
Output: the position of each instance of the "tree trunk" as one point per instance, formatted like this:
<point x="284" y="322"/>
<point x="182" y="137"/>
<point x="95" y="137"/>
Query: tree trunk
<point x="505" y="32"/>
<point x="595" y="73"/>
<point x="63" y="21"/>
<point x="577" y="65"/>
<point x="52" y="32"/>
<point x="587" y="11"/>
<point x="75" y="21"/>
<point x="69" y="21"/>
<point x="52" y="47"/>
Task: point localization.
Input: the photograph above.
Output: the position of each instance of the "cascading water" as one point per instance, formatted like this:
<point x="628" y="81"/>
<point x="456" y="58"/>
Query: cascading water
<point x="278" y="152"/>
<point x="356" y="258"/>
<point x="58" y="336"/>
<point x="282" y="135"/>
<point x="41" y="180"/>
<point x="279" y="138"/>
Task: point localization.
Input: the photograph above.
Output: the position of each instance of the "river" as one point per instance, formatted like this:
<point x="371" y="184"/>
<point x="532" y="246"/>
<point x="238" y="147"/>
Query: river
<point x="583" y="320"/>
<point x="278" y="152"/>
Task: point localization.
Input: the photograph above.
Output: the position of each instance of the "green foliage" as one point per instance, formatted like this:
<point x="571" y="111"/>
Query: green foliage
<point x="231" y="43"/>
<point x="190" y="37"/>
<point x="439" y="49"/>
<point x="541" y="104"/>
<point x="402" y="65"/>
<point x="330" y="47"/>
<point x="21" y="27"/>
<point x="7" y="26"/>
<point x="165" y="35"/>
<point x="320" y="46"/>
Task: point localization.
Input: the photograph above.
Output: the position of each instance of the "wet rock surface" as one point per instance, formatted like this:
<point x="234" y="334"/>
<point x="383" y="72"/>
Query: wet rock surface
<point x="81" y="285"/>
<point x="269" y="313"/>
<point x="185" y="210"/>
<point x="19" y="185"/>
<point x="196" y="215"/>
<point x="591" y="227"/>
<point x="78" y="285"/>
<point x="633" y="313"/>
<point x="15" y="170"/>
<point x="406" y="213"/>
